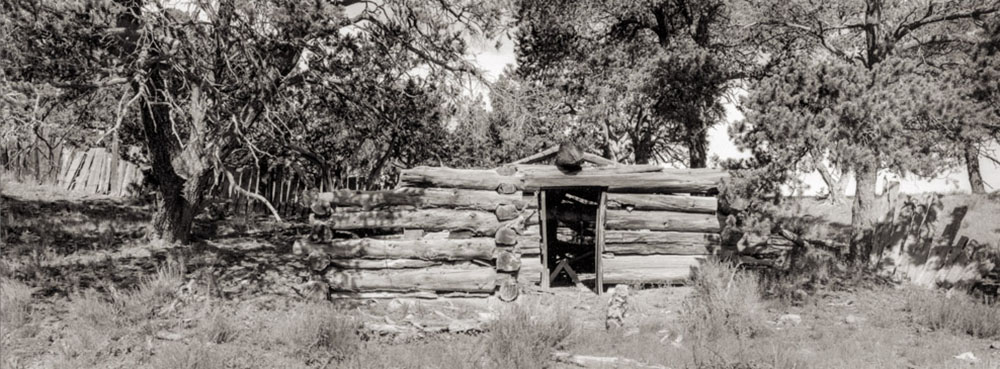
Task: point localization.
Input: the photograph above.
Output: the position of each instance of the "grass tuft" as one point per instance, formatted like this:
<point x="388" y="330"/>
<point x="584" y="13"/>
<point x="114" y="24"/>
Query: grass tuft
<point x="317" y="327"/>
<point x="15" y="305"/>
<point x="526" y="338"/>
<point x="726" y="301"/>
<point x="957" y="313"/>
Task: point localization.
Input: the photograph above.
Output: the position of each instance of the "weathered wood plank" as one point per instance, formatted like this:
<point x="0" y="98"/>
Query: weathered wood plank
<point x="481" y="279"/>
<point x="74" y="168"/>
<point x="531" y="270"/>
<point x="94" y="176"/>
<point x="666" y="243"/>
<point x="668" y="269"/>
<point x="419" y="197"/>
<point x="368" y="248"/>
<point x="662" y="221"/>
<point x="529" y="170"/>
<point x="80" y="180"/>
<point x="479" y="222"/>
<point x="474" y="179"/>
<point x="666" y="181"/>
<point x="382" y="263"/>
<point x="687" y="204"/>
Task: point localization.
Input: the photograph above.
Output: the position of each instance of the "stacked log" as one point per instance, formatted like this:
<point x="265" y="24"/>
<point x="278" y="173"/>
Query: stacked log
<point x="476" y="232"/>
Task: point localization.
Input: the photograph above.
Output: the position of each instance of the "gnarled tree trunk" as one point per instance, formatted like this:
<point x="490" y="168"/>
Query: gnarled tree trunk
<point x="863" y="214"/>
<point x="698" y="149"/>
<point x="972" y="165"/>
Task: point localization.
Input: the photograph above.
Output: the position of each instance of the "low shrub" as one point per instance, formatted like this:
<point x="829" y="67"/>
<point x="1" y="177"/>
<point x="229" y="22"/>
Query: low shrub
<point x="15" y="305"/>
<point x="526" y="338"/>
<point x="956" y="312"/>
<point x="317" y="328"/>
<point x="726" y="301"/>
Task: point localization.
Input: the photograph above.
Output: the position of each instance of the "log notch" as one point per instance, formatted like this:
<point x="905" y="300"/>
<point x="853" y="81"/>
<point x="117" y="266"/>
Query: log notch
<point x="482" y="279"/>
<point x="480" y="223"/>
<point x="685" y="204"/>
<point x="434" y="250"/>
<point x="506" y="236"/>
<point x="663" y="243"/>
<point x="508" y="289"/>
<point x="506" y="212"/>
<point x="508" y="261"/>
<point x="475" y="179"/>
<point x="418" y="197"/>
<point x="652" y="269"/>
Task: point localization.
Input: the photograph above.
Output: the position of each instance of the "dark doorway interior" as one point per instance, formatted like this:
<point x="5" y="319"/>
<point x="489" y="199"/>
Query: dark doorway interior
<point x="570" y="229"/>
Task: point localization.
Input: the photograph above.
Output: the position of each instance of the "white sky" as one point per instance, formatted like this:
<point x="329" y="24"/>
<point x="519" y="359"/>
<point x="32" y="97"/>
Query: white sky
<point x="493" y="61"/>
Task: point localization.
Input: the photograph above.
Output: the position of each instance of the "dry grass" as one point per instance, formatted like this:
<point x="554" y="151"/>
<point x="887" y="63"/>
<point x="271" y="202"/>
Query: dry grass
<point x="726" y="301"/>
<point x="525" y="335"/>
<point x="958" y="313"/>
<point x="15" y="305"/>
<point x="311" y="328"/>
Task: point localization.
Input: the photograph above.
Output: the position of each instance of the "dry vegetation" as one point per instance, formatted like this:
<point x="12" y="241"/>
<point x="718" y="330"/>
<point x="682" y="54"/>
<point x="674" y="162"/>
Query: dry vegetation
<point x="111" y="306"/>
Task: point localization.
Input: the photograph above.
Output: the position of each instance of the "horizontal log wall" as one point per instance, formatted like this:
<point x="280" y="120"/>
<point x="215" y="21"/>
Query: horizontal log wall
<point x="486" y="228"/>
<point x="665" y="269"/>
<point x="445" y="279"/>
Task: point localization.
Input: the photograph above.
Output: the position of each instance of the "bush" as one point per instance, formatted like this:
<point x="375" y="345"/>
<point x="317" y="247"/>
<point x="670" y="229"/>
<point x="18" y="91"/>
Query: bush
<point x="15" y="305"/>
<point x="726" y="301"/>
<point x="315" y="328"/>
<point x="958" y="313"/>
<point x="124" y="308"/>
<point x="520" y="339"/>
<point x="221" y="328"/>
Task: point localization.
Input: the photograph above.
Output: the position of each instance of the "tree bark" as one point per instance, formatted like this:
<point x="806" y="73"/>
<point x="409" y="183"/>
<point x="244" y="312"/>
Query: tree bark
<point x="863" y="214"/>
<point x="972" y="165"/>
<point x="834" y="185"/>
<point x="698" y="149"/>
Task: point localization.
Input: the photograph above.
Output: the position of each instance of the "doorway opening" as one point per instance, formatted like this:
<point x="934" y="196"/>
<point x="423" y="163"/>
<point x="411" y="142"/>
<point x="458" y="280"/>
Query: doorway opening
<point x="573" y="236"/>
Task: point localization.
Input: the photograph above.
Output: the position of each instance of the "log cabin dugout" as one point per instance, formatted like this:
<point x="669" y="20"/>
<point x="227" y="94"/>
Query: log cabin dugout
<point x="484" y="232"/>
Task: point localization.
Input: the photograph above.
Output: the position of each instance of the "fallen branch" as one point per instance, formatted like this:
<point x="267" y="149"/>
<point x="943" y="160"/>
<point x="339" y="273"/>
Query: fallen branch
<point x="833" y="247"/>
<point x="601" y="361"/>
<point x="239" y="189"/>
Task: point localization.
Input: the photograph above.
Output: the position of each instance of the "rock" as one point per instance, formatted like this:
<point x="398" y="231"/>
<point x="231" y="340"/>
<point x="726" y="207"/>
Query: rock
<point x="790" y="319"/>
<point x="968" y="357"/>
<point x="995" y="345"/>
<point x="314" y="290"/>
<point x="852" y="319"/>
<point x="169" y="336"/>
<point x="617" y="307"/>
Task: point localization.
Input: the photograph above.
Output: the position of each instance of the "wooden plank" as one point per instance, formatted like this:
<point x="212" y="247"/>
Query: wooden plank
<point x="103" y="180"/>
<point x="662" y="221"/>
<point x="686" y="204"/>
<point x="479" y="222"/>
<point x="420" y="197"/>
<point x="657" y="242"/>
<point x="667" y="269"/>
<point x="531" y="270"/>
<point x="599" y="241"/>
<point x="382" y="263"/>
<point x="80" y="180"/>
<point x="544" y="216"/>
<point x="64" y="160"/>
<point x="127" y="178"/>
<point x="473" y="179"/>
<point x="541" y="155"/>
<point x="368" y="248"/>
<point x="96" y="169"/>
<point x="482" y="279"/>
<point x="74" y="168"/>
<point x="119" y="182"/>
<point x="114" y="183"/>
<point x="527" y="171"/>
<point x="667" y="181"/>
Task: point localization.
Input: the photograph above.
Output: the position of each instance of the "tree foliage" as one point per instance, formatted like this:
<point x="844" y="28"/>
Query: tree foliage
<point x="213" y="83"/>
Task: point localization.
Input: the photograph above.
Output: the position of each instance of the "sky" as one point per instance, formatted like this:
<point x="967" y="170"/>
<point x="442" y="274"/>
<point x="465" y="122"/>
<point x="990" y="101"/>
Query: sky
<point x="492" y="62"/>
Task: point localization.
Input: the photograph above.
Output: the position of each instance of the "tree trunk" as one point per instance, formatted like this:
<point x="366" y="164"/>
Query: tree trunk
<point x="972" y="164"/>
<point x="863" y="215"/>
<point x="698" y="149"/>
<point x="834" y="185"/>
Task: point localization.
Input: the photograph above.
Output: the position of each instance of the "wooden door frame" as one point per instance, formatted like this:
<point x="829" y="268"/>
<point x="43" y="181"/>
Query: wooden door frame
<point x="599" y="232"/>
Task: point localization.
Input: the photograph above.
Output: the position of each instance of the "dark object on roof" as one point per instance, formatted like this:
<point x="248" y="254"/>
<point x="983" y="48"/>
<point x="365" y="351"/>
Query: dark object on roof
<point x="570" y="158"/>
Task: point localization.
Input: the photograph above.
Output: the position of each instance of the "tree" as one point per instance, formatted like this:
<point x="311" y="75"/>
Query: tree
<point x="644" y="80"/>
<point x="858" y="96"/>
<point x="205" y="77"/>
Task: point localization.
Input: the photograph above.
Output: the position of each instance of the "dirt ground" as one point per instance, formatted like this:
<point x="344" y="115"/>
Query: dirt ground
<point x="82" y="287"/>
